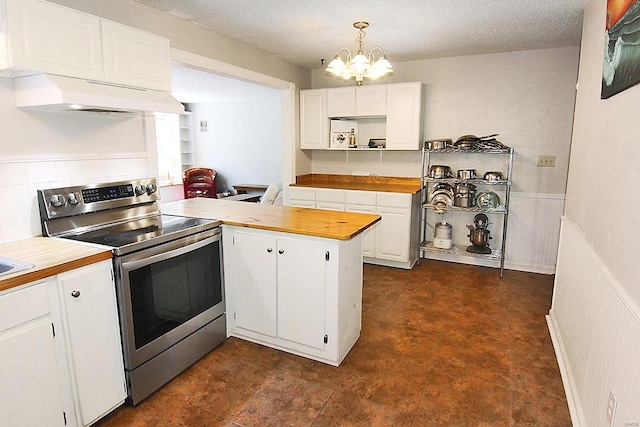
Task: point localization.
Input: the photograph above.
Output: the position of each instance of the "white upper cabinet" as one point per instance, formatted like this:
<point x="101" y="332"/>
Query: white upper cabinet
<point x="314" y="125"/>
<point x="396" y="107"/>
<point x="341" y="102"/>
<point x="358" y="101"/>
<point x="42" y="37"/>
<point x="135" y="58"/>
<point x="404" y="116"/>
<point x="371" y="100"/>
<point x="47" y="38"/>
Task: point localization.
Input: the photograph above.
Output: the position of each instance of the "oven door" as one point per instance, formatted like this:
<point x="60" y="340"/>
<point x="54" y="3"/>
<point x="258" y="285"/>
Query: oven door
<point x="167" y="292"/>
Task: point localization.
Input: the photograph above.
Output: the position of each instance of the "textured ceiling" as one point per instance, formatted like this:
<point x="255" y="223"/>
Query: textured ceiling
<point x="303" y="32"/>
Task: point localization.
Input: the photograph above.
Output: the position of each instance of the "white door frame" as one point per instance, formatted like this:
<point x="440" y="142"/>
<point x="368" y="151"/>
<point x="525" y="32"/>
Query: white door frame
<point x="287" y="90"/>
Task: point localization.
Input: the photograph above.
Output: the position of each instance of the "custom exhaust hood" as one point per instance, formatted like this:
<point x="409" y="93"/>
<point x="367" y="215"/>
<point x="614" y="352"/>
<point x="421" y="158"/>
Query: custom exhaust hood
<point x="57" y="93"/>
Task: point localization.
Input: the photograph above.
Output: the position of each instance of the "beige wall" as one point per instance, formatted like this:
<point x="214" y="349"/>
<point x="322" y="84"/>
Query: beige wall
<point x="527" y="97"/>
<point x="602" y="201"/>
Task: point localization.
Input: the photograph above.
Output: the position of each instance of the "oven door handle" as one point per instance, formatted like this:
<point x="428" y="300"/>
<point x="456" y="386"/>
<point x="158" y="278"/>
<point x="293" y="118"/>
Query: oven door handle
<point x="133" y="265"/>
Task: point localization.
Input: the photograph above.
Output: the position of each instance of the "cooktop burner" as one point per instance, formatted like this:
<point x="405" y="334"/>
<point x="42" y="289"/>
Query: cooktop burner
<point x="160" y="228"/>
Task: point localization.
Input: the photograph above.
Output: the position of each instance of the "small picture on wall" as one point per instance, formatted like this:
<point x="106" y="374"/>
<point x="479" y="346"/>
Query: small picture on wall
<point x="621" y="67"/>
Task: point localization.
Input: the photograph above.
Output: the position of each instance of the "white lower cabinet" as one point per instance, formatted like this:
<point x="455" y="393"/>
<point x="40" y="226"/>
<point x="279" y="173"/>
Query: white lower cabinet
<point x="92" y="334"/>
<point x="31" y="390"/>
<point x="391" y="241"/>
<point x="294" y="293"/>
<point x="60" y="353"/>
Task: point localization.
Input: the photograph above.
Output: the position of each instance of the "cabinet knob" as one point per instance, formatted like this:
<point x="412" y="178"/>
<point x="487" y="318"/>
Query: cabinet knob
<point x="281" y="251"/>
<point x="269" y="250"/>
<point x="75" y="294"/>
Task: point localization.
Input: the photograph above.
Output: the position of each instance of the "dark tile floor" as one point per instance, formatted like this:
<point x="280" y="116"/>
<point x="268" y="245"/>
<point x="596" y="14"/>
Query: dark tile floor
<point x="441" y="345"/>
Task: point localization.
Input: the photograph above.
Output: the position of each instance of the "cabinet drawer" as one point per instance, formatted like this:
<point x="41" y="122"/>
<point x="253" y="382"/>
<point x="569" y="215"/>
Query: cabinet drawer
<point x="23" y="305"/>
<point x="356" y="197"/>
<point x="325" y="195"/>
<point x="300" y="193"/>
<point x="398" y="200"/>
<point x="330" y="206"/>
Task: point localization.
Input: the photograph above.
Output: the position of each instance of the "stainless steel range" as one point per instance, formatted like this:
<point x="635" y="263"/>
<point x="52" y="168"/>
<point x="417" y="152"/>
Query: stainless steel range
<point x="168" y="274"/>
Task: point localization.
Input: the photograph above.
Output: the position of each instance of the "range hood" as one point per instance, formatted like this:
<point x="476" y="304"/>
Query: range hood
<point x="58" y="93"/>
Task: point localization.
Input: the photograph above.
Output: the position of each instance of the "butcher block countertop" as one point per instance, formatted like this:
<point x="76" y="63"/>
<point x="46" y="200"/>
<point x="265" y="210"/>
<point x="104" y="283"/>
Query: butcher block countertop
<point x="49" y="257"/>
<point x="386" y="184"/>
<point x="287" y="219"/>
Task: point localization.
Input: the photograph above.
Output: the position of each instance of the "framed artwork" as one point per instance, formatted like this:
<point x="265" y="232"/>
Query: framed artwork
<point x="621" y="65"/>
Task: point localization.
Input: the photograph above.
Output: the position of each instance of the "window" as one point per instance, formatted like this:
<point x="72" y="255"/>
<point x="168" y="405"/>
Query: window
<point x="168" y="143"/>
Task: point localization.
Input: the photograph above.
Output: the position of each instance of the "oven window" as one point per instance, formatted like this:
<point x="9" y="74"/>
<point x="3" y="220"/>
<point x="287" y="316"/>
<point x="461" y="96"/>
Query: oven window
<point x="168" y="293"/>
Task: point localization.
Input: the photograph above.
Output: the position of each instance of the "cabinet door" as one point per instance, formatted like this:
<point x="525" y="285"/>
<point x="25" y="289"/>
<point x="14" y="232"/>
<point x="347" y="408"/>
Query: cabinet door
<point x="93" y="333"/>
<point x="369" y="235"/>
<point x="341" y="102"/>
<point x="301" y="292"/>
<point x="254" y="273"/>
<point x="404" y="116"/>
<point x="135" y="58"/>
<point x="392" y="234"/>
<point x="371" y="100"/>
<point x="314" y="124"/>
<point x="48" y="38"/>
<point x="29" y="382"/>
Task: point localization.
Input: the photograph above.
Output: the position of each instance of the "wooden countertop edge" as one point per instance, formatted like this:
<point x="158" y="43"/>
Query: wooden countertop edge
<point x="34" y="274"/>
<point x="385" y="184"/>
<point x="302" y="231"/>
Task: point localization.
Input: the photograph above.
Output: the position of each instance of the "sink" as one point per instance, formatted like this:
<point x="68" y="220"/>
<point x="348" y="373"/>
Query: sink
<point x="8" y="266"/>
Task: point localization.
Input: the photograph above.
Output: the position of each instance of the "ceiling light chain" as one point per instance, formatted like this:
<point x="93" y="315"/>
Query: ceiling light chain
<point x="360" y="66"/>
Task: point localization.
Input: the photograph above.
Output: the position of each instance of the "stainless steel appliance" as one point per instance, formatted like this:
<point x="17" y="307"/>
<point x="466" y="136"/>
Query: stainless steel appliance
<point x="168" y="274"/>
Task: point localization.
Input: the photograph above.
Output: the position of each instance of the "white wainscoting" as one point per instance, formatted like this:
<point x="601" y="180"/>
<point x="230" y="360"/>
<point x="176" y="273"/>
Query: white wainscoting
<point x="21" y="176"/>
<point x="532" y="233"/>
<point x="595" y="329"/>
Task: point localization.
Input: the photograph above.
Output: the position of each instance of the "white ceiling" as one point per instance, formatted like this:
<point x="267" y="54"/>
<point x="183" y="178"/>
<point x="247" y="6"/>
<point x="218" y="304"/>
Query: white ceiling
<point x="305" y="32"/>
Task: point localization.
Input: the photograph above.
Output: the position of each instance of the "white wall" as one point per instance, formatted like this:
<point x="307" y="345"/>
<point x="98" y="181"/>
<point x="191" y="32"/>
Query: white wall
<point x="243" y="141"/>
<point x="595" y="313"/>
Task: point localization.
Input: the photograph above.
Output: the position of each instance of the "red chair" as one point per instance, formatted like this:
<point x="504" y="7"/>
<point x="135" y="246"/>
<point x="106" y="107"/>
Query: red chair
<point x="199" y="182"/>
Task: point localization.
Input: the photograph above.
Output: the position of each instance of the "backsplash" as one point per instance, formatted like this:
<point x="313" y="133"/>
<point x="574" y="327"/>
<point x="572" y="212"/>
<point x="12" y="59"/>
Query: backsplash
<point x="21" y="177"/>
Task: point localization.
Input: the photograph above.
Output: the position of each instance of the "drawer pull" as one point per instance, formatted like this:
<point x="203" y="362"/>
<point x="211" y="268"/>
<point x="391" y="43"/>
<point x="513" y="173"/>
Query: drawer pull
<point x="75" y="293"/>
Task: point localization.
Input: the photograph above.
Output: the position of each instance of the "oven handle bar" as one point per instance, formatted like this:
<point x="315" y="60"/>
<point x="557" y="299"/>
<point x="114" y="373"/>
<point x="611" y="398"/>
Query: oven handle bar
<point x="132" y="265"/>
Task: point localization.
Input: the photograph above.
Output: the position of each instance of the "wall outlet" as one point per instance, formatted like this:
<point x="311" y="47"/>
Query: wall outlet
<point x="612" y="404"/>
<point x="204" y="125"/>
<point x="546" y="161"/>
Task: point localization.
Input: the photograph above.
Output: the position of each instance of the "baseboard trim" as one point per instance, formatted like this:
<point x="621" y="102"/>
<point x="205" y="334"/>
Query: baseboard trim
<point x="573" y="401"/>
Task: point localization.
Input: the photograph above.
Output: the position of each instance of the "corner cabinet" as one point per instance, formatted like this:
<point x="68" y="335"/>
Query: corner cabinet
<point x="492" y="159"/>
<point x="185" y="125"/>
<point x="299" y="294"/>
<point x="43" y="37"/>
<point x="393" y="112"/>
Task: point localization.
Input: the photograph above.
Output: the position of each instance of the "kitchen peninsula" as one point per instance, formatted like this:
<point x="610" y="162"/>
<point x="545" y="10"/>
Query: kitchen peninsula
<point x="293" y="276"/>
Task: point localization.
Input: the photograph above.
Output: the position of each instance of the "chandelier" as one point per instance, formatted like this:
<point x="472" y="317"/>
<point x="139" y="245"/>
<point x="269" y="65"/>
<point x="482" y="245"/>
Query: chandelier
<point x="360" y="66"/>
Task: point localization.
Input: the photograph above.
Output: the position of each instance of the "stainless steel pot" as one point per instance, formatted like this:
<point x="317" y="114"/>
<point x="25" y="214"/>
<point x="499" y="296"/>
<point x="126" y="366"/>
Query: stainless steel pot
<point x="439" y="171"/>
<point x="466" y="173"/>
<point x="437" y="144"/>
<point x="493" y="176"/>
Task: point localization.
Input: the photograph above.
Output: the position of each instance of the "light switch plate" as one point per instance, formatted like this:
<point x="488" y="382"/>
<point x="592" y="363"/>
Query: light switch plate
<point x="546" y="161"/>
<point x="204" y="125"/>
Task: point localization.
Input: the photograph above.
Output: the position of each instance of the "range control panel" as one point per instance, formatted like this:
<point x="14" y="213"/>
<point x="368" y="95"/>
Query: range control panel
<point x="69" y="201"/>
